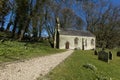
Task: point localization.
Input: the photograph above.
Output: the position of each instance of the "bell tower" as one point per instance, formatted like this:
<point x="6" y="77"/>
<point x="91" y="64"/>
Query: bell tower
<point x="58" y="23"/>
<point x="56" y="33"/>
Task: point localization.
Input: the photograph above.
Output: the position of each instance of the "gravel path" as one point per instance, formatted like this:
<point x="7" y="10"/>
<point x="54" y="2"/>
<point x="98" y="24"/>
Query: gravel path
<point x="32" y="69"/>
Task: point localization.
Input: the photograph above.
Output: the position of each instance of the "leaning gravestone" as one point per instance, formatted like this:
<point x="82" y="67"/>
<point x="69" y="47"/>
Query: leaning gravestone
<point x="104" y="56"/>
<point x="118" y="53"/>
<point x="110" y="55"/>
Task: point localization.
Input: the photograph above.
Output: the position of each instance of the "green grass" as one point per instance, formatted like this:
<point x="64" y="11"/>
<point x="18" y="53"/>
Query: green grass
<point x="73" y="68"/>
<point x="13" y="50"/>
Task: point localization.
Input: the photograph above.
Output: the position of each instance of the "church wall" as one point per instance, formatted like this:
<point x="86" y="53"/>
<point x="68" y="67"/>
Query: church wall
<point x="87" y="44"/>
<point x="70" y="39"/>
<point x="82" y="41"/>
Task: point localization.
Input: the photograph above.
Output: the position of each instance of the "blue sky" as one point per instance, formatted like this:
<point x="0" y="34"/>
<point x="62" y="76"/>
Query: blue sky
<point x="116" y="2"/>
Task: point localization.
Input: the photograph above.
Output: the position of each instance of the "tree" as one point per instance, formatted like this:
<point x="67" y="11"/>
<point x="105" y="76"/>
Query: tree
<point x="108" y="30"/>
<point x="102" y="20"/>
<point x="4" y="9"/>
<point x="38" y="18"/>
<point x="70" y="20"/>
<point x="12" y="11"/>
<point x="21" y="18"/>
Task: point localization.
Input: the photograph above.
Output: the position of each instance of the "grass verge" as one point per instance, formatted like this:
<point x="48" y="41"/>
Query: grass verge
<point x="84" y="65"/>
<point x="13" y="50"/>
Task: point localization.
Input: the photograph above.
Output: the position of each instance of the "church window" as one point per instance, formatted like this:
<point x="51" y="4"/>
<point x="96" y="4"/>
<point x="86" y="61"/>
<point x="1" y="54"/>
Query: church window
<point x="92" y="42"/>
<point x="76" y="41"/>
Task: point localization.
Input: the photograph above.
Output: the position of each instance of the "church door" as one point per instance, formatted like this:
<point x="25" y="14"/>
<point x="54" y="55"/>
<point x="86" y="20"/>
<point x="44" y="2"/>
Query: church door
<point x="67" y="45"/>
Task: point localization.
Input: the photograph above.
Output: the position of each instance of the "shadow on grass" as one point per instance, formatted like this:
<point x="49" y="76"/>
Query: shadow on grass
<point x="9" y="57"/>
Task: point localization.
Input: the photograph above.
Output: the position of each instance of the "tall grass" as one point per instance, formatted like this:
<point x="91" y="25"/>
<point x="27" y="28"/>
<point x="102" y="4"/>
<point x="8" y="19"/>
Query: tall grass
<point x="13" y="50"/>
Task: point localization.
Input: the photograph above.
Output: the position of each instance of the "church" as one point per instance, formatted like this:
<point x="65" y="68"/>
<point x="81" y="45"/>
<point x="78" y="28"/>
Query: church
<point x="73" y="39"/>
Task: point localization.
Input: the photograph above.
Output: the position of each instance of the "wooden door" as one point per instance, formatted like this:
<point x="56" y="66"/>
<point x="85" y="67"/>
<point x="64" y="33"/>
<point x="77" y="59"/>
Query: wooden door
<point x="67" y="45"/>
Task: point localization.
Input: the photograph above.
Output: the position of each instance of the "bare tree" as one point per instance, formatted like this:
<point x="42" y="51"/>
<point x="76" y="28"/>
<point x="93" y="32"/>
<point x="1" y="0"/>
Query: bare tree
<point x="4" y="9"/>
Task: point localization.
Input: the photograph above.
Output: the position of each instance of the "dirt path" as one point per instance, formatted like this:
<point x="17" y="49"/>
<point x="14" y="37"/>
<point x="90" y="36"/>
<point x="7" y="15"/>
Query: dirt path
<point x="32" y="69"/>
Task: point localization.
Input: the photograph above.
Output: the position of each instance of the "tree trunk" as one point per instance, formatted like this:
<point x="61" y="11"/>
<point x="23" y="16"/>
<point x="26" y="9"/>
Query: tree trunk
<point x="21" y="35"/>
<point x="2" y="25"/>
<point x="24" y="29"/>
<point x="14" y="27"/>
<point x="8" y="26"/>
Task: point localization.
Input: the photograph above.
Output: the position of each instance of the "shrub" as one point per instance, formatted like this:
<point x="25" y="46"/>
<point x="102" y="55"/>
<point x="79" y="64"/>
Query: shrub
<point x="101" y="77"/>
<point x="90" y="66"/>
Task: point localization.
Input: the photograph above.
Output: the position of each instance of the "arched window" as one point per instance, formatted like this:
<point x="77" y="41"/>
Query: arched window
<point x="92" y="42"/>
<point x="86" y="42"/>
<point x="76" y="41"/>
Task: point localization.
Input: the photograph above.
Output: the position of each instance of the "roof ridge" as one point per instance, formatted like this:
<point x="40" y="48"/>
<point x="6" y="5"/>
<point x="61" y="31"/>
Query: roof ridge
<point x="76" y="32"/>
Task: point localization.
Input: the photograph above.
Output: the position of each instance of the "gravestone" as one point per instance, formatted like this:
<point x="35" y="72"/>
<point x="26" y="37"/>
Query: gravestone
<point x="118" y="53"/>
<point x="95" y="52"/>
<point x="104" y="56"/>
<point x="110" y="55"/>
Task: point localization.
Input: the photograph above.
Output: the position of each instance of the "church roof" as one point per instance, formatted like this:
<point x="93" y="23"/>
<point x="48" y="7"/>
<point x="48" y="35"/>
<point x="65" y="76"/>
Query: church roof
<point x="76" y="33"/>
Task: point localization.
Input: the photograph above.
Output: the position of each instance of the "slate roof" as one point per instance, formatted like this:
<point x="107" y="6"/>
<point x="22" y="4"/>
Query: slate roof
<point x="76" y="33"/>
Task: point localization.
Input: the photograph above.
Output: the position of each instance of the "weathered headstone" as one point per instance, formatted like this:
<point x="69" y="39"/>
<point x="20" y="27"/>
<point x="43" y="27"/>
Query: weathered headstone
<point x="104" y="56"/>
<point x="110" y="55"/>
<point x="118" y="53"/>
<point x="95" y="52"/>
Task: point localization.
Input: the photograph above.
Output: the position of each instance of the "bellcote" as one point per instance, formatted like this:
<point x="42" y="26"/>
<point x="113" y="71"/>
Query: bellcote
<point x="58" y="23"/>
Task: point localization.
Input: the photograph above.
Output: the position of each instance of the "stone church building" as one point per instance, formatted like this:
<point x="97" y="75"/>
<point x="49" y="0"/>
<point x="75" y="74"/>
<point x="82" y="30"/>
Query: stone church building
<point x="73" y="39"/>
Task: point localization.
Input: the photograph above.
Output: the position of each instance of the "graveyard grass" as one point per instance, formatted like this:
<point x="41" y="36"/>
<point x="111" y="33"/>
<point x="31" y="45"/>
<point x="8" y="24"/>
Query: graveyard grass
<point x="15" y="51"/>
<point x="84" y="65"/>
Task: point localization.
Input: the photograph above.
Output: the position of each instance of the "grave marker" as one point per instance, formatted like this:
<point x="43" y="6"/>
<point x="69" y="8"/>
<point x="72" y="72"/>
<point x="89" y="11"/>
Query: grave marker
<point x="104" y="56"/>
<point x="95" y="52"/>
<point x="118" y="53"/>
<point x="110" y="55"/>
